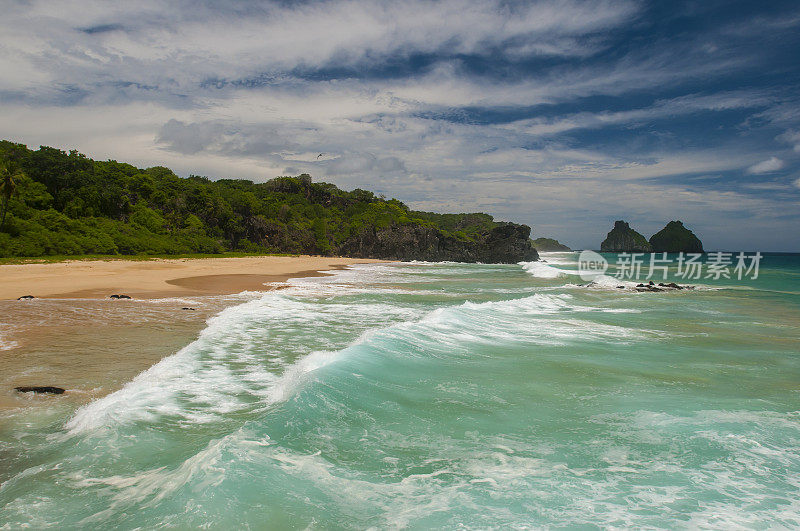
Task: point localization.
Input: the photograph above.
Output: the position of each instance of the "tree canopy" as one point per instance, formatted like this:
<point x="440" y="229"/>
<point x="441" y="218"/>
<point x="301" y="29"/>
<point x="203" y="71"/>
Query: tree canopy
<point x="68" y="204"/>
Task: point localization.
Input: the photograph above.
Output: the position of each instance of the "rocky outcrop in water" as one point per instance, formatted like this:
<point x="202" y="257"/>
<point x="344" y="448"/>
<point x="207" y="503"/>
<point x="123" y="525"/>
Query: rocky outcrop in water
<point x="548" y="245"/>
<point x="651" y="286"/>
<point x="623" y="239"/>
<point x="506" y="243"/>
<point x="675" y="238"/>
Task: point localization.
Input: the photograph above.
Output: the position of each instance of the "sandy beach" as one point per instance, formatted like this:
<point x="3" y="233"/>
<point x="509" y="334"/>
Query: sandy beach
<point x="159" y="277"/>
<point x="102" y="343"/>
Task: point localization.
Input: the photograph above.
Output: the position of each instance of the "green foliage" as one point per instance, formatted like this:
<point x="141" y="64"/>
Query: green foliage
<point x="464" y="227"/>
<point x="68" y="204"/>
<point x="549" y="245"/>
<point x="675" y="238"/>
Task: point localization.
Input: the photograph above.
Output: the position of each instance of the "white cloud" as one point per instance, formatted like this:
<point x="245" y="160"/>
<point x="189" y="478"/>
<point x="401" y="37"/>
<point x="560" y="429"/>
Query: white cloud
<point x="174" y="46"/>
<point x="791" y="137"/>
<point x="766" y="166"/>
<point x="684" y="105"/>
<point x="215" y="90"/>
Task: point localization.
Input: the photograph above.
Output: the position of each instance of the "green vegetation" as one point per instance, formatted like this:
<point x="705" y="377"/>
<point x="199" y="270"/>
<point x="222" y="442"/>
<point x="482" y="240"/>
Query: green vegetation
<point x="466" y="227"/>
<point x="675" y="238"/>
<point x="549" y="245"/>
<point x="65" y="204"/>
<point x="623" y="239"/>
<point x="111" y="257"/>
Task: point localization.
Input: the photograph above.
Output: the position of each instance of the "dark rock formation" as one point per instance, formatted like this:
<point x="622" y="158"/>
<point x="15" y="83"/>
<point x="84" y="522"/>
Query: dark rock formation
<point x="675" y="238"/>
<point x="506" y="243"/>
<point x="25" y="297"/>
<point x="40" y="389"/>
<point x="652" y="287"/>
<point x="549" y="245"/>
<point x="623" y="239"/>
<point x="119" y="297"/>
<point x="649" y="288"/>
<point x="187" y="308"/>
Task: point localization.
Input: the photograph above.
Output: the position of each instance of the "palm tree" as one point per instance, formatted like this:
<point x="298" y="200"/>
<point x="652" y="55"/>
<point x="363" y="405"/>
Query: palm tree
<point x="7" y="187"/>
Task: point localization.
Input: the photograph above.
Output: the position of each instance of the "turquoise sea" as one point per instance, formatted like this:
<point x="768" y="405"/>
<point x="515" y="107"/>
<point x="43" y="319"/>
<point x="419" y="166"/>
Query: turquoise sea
<point x="424" y="395"/>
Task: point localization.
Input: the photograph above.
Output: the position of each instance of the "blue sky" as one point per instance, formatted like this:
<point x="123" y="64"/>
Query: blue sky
<point x="562" y="115"/>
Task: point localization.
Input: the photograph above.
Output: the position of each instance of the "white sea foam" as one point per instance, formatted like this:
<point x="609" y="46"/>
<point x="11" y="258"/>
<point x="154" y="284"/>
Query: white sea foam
<point x="544" y="319"/>
<point x="560" y="257"/>
<point x="5" y="342"/>
<point x="235" y="359"/>
<point x="543" y="270"/>
<point x="232" y="362"/>
<point x="609" y="282"/>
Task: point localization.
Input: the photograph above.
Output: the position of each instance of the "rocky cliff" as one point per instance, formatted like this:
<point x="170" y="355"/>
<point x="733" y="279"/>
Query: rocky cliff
<point x="675" y="238"/>
<point x="506" y="243"/>
<point x="549" y="245"/>
<point x="623" y="238"/>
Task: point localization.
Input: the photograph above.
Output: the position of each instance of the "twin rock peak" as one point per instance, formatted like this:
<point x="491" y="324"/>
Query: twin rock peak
<point x="674" y="238"/>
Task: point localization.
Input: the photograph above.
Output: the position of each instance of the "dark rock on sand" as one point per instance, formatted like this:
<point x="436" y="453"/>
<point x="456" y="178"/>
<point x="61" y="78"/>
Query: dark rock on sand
<point x="40" y="389"/>
<point x="25" y="297"/>
<point x="623" y="239"/>
<point x="675" y="238"/>
<point x="115" y="296"/>
<point x="187" y="308"/>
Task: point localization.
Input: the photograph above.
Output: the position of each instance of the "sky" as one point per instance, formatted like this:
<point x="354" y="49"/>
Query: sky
<point x="562" y="115"/>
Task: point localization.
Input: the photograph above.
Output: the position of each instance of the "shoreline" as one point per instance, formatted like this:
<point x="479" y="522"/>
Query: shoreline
<point x="74" y="336"/>
<point x="160" y="278"/>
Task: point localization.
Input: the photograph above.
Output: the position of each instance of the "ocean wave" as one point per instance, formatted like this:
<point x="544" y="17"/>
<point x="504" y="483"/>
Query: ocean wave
<point x="543" y="270"/>
<point x="616" y="481"/>
<point x="245" y="353"/>
<point x="610" y="282"/>
<point x="559" y="257"/>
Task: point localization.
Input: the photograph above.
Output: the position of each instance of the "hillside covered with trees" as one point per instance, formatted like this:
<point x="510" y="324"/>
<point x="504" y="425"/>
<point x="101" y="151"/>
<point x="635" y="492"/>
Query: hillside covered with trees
<point x="58" y="203"/>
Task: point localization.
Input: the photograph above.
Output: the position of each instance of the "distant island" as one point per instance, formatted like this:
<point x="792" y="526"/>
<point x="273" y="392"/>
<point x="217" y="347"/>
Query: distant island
<point x="673" y="238"/>
<point x="623" y="238"/>
<point x="58" y="203"/>
<point x="549" y="245"/>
